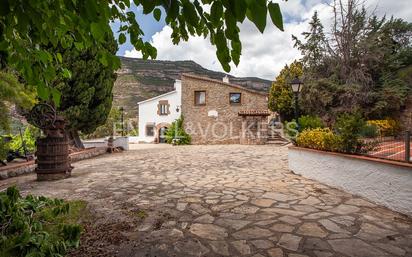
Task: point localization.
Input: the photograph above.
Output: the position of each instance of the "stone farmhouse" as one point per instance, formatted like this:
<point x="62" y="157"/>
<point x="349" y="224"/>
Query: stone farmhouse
<point x="214" y="111"/>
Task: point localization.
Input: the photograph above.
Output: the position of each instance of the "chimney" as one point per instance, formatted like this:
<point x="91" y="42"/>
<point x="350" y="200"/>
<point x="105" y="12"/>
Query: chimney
<point x="226" y="79"/>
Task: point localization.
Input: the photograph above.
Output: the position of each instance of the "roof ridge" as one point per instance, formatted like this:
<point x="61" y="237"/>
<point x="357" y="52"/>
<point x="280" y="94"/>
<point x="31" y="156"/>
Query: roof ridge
<point x="223" y="83"/>
<point x="155" y="97"/>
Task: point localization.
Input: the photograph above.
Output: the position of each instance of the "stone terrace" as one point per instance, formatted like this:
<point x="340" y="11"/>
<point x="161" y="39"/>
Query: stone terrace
<point x="228" y="200"/>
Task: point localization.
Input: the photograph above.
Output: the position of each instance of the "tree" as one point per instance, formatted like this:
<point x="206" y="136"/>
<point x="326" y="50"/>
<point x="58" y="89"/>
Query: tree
<point x="314" y="48"/>
<point x="81" y="24"/>
<point x="11" y="92"/>
<point x="355" y="67"/>
<point x="87" y="96"/>
<point x="281" y="95"/>
<point x="109" y="127"/>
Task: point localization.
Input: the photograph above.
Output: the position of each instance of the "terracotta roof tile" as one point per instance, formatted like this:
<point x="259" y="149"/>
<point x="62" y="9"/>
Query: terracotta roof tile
<point x="254" y="113"/>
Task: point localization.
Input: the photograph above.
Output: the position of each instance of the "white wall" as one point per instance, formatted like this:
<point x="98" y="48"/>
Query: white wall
<point x="98" y="142"/>
<point x="148" y="111"/>
<point x="385" y="184"/>
<point x="122" y="142"/>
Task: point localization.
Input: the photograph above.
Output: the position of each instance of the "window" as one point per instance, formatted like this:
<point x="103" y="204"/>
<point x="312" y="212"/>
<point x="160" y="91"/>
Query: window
<point x="235" y="98"/>
<point x="200" y="97"/>
<point x="163" y="107"/>
<point x="150" y="130"/>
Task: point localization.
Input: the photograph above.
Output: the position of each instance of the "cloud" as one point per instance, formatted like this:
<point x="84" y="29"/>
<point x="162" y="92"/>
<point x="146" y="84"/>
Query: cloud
<point x="133" y="53"/>
<point x="263" y="55"/>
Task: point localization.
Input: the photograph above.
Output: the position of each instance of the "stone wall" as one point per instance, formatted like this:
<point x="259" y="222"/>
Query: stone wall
<point x="87" y="154"/>
<point x="17" y="169"/>
<point x="218" y="121"/>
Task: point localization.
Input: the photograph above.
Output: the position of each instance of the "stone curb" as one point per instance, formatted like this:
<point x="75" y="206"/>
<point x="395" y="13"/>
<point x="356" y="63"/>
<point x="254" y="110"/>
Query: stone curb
<point x="29" y="167"/>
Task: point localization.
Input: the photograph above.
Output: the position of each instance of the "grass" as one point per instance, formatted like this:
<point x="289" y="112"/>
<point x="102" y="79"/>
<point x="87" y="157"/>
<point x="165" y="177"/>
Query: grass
<point x="77" y="211"/>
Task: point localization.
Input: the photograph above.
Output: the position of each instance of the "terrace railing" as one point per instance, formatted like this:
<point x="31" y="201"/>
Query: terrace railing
<point x="397" y="148"/>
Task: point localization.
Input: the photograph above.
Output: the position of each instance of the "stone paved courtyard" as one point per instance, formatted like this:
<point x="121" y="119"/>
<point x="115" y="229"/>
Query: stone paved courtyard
<point x="224" y="201"/>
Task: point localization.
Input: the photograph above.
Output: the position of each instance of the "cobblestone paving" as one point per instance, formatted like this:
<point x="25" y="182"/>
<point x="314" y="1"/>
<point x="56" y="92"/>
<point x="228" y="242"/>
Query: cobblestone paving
<point x="228" y="201"/>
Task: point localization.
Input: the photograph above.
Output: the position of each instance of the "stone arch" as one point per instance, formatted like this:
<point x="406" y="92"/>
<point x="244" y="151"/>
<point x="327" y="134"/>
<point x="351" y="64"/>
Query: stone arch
<point x="157" y="130"/>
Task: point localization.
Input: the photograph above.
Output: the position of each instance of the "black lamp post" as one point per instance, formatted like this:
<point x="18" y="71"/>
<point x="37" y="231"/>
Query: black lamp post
<point x="297" y="86"/>
<point x="122" y="120"/>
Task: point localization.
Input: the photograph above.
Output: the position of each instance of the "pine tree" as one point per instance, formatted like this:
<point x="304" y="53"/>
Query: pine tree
<point x="314" y="48"/>
<point x="87" y="96"/>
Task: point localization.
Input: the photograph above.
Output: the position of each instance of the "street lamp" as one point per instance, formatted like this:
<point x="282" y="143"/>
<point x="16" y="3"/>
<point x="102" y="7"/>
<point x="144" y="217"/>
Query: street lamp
<point x="297" y="86"/>
<point x="122" y="117"/>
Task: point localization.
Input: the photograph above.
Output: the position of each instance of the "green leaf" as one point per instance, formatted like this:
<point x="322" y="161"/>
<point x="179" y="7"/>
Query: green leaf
<point x="189" y="13"/>
<point x="67" y="74"/>
<point x="59" y="57"/>
<point x="103" y="59"/>
<point x="172" y="10"/>
<point x="148" y="5"/>
<point x="216" y="12"/>
<point x="116" y="62"/>
<point x="122" y="38"/>
<point x="231" y="28"/>
<point x="157" y="14"/>
<point x="257" y="14"/>
<point x="56" y="95"/>
<point x="79" y="45"/>
<point x="97" y="31"/>
<point x="43" y="56"/>
<point x="276" y="15"/>
<point x="42" y="91"/>
<point x="238" y="8"/>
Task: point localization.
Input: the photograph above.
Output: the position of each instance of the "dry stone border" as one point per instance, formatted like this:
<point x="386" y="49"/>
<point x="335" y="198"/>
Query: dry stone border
<point x="227" y="200"/>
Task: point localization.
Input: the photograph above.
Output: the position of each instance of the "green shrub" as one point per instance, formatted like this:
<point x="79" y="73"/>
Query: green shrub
<point x="133" y="132"/>
<point x="346" y="137"/>
<point x="369" y="131"/>
<point x="176" y="134"/>
<point x="37" y="226"/>
<point x="4" y="148"/>
<point x="29" y="135"/>
<point x="310" y="122"/>
<point x="387" y="127"/>
<point x="349" y="128"/>
<point x="320" y="139"/>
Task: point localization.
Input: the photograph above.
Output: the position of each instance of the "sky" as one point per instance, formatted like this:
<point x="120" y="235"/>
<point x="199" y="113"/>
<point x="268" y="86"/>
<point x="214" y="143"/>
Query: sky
<point x="263" y="55"/>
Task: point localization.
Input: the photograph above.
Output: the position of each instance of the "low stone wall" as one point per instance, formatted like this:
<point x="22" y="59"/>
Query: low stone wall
<point x="28" y="167"/>
<point x="17" y="169"/>
<point x="387" y="183"/>
<point x="121" y="142"/>
<point x="87" y="154"/>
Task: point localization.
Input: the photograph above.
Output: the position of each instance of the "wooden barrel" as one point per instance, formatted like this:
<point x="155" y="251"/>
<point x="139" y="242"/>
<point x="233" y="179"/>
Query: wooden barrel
<point x="53" y="161"/>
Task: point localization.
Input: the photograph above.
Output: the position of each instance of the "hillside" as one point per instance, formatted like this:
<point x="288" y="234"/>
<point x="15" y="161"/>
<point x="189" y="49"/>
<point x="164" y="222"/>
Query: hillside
<point x="142" y="79"/>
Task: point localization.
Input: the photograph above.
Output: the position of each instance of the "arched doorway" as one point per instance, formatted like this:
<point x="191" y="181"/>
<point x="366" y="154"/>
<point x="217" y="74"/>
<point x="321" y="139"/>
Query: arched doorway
<point x="160" y="132"/>
<point x="162" y="135"/>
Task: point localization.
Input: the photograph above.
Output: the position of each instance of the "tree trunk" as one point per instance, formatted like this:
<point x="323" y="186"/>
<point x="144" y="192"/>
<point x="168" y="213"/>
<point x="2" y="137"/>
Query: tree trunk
<point x="74" y="139"/>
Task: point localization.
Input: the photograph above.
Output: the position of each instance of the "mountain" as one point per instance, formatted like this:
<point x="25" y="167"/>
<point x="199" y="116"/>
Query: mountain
<point x="140" y="79"/>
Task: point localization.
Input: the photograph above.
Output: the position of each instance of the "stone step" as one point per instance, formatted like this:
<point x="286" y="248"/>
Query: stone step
<point x="277" y="142"/>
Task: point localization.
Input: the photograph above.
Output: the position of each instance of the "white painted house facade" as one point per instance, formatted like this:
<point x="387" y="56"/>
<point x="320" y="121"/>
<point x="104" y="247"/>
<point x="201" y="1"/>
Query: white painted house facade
<point x="157" y="114"/>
